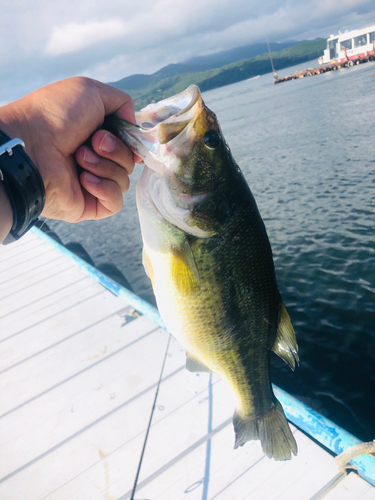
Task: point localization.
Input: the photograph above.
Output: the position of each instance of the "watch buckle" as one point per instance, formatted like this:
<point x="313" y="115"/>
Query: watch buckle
<point x="8" y="146"/>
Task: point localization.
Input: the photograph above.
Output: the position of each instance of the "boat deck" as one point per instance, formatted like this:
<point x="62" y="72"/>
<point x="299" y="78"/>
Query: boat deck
<point x="79" y="373"/>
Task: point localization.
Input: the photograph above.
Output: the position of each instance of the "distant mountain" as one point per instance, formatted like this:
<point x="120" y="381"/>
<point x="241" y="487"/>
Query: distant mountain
<point x="224" y="57"/>
<point x="205" y="72"/>
<point x="200" y="63"/>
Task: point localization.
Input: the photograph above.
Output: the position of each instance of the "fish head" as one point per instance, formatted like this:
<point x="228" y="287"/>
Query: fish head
<point x="181" y="142"/>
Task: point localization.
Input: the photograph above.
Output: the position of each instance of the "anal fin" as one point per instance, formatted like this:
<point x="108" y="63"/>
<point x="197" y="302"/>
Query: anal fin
<point x="285" y="345"/>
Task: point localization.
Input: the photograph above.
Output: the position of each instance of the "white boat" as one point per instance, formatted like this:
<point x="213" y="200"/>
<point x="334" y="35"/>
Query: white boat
<point x="353" y="46"/>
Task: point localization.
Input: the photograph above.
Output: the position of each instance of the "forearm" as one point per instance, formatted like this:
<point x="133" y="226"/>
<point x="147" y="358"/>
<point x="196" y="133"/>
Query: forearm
<point x="6" y="214"/>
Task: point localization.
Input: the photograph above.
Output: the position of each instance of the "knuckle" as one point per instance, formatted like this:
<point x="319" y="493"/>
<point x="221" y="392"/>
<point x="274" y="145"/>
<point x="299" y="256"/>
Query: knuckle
<point x="126" y="184"/>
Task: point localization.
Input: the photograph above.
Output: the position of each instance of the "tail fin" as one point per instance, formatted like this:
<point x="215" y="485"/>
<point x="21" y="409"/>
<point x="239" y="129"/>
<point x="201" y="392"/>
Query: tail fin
<point x="271" y="428"/>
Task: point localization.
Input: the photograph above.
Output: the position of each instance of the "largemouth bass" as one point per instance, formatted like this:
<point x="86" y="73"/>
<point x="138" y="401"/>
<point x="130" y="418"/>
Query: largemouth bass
<point x="210" y="262"/>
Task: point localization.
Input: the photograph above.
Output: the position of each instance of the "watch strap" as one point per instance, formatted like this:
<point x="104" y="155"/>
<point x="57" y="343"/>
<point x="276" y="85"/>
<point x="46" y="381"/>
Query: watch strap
<point x="23" y="184"/>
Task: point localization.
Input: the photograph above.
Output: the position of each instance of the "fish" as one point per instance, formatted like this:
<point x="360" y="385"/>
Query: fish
<point x="207" y="253"/>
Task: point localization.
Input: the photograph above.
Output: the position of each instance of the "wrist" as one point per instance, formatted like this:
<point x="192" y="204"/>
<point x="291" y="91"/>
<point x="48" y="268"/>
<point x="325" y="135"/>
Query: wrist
<point x="23" y="186"/>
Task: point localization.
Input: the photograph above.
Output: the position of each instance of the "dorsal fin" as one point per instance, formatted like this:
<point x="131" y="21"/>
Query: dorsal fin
<point x="285" y="344"/>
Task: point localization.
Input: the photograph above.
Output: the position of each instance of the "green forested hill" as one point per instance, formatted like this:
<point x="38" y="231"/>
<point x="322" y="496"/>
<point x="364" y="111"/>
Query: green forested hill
<point x="150" y="88"/>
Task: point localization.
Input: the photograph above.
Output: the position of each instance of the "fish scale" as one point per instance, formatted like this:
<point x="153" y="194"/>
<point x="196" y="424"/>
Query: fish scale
<point x="207" y="253"/>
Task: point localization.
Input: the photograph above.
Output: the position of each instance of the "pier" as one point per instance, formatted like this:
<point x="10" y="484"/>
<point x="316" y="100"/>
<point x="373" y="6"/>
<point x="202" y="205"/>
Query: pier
<point x="325" y="68"/>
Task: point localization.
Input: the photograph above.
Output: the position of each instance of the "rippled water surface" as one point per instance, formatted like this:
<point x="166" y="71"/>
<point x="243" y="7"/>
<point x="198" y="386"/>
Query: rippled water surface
<point x="307" y="150"/>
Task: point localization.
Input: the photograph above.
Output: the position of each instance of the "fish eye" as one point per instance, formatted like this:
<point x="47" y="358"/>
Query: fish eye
<point x="211" y="139"/>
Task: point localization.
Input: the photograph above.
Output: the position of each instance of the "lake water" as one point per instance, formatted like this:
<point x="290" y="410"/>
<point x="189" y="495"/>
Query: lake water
<point x="307" y="150"/>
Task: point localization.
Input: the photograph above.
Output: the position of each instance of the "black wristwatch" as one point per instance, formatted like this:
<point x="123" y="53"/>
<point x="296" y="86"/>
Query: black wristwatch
<point x="23" y="185"/>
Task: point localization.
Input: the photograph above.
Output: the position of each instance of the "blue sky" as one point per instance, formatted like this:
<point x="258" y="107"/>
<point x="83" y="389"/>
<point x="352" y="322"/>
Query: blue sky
<point x="45" y="41"/>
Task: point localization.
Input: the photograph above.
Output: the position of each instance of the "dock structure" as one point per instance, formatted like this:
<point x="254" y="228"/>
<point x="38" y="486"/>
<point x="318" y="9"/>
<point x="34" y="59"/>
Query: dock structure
<point x="82" y="371"/>
<point x="325" y="68"/>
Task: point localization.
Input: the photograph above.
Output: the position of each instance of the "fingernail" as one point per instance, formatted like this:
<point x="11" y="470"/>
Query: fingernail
<point x="92" y="179"/>
<point x="90" y="157"/>
<point x="108" y="144"/>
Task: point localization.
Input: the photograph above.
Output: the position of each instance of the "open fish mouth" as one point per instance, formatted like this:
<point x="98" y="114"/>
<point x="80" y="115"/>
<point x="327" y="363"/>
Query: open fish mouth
<point x="172" y="110"/>
<point x="157" y="125"/>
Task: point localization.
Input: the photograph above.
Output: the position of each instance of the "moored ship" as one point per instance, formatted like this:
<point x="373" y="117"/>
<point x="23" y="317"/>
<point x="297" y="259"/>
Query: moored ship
<point x="352" y="46"/>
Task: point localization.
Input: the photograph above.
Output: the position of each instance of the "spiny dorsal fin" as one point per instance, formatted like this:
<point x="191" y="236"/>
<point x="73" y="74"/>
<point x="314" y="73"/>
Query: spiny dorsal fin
<point x="194" y="365"/>
<point x="285" y="344"/>
<point x="184" y="269"/>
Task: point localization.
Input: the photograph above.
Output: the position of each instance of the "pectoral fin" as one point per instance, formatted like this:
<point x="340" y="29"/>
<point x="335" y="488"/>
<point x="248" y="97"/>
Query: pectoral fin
<point x="285" y="344"/>
<point x="194" y="365"/>
<point x="184" y="270"/>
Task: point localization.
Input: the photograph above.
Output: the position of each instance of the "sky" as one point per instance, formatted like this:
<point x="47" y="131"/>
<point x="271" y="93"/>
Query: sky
<point x="44" y="41"/>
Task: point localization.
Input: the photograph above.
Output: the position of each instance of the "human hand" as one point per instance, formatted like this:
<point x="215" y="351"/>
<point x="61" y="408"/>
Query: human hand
<point x="55" y="122"/>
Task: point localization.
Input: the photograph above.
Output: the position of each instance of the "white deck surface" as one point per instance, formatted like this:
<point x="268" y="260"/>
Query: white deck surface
<point x="78" y="376"/>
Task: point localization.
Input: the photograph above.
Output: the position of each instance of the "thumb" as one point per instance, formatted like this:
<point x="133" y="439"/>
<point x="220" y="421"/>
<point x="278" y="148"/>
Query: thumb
<point x="116" y="101"/>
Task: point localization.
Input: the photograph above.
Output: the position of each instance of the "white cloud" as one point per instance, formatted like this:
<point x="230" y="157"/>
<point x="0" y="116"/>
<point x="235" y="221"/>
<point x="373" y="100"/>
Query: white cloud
<point x="72" y="37"/>
<point x="109" y="40"/>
